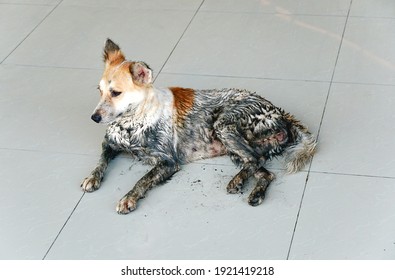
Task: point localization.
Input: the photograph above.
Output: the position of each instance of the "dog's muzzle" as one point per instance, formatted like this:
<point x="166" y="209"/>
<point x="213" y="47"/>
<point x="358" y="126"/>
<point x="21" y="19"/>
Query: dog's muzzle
<point x="96" y="117"/>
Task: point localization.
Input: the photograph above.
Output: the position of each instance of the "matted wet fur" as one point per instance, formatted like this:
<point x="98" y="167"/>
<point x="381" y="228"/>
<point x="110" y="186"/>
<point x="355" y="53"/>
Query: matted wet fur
<point x="173" y="126"/>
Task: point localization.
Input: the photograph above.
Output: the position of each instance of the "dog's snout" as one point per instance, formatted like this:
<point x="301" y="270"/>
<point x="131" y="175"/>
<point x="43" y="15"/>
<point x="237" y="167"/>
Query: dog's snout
<point x="96" y="117"/>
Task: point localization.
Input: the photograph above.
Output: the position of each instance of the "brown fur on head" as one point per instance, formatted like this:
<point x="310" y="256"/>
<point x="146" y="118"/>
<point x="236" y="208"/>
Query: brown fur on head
<point x="123" y="84"/>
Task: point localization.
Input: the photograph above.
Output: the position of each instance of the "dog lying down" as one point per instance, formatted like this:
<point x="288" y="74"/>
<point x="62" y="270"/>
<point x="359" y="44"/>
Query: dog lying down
<point x="169" y="127"/>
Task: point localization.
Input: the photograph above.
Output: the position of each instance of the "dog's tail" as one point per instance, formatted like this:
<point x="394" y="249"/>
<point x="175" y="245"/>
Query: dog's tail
<point x="301" y="151"/>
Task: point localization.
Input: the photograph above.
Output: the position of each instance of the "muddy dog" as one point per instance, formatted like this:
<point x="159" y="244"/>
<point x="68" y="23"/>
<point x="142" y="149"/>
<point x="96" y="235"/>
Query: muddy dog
<point x="169" y="127"/>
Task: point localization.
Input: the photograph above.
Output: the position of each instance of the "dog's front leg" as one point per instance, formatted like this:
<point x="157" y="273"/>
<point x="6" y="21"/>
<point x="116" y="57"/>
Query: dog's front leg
<point x="93" y="181"/>
<point x="160" y="173"/>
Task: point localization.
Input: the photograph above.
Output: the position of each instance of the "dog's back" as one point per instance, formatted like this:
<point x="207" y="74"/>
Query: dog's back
<point x="265" y="131"/>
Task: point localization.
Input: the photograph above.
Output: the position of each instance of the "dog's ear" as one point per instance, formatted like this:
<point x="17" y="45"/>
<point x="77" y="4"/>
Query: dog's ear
<point x="112" y="54"/>
<point x="141" y="73"/>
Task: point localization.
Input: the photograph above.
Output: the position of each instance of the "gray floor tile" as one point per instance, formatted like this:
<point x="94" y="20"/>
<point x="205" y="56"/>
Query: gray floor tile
<point x="373" y="8"/>
<point x="16" y="22"/>
<point x="49" y="109"/>
<point x="189" y="217"/>
<point x="31" y="2"/>
<point x="191" y="5"/>
<point x="306" y="7"/>
<point x="357" y="131"/>
<point x="367" y="54"/>
<point x="38" y="193"/>
<point x="74" y="36"/>
<point x="275" y="46"/>
<point x="346" y="217"/>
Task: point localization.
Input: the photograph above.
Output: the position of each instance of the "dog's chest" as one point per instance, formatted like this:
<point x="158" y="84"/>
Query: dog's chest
<point x="126" y="137"/>
<point x="138" y="138"/>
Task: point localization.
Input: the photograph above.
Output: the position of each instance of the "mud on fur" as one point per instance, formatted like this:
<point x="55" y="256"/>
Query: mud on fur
<point x="169" y="127"/>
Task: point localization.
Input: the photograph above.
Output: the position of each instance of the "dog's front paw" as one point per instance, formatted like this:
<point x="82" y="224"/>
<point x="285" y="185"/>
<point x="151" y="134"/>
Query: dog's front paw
<point x="126" y="205"/>
<point x="90" y="184"/>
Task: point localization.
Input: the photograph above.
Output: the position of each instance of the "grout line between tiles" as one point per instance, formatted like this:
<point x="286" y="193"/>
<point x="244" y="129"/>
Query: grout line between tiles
<point x="296" y="14"/>
<point x="203" y="162"/>
<point x="373" y="17"/>
<point x="243" y="77"/>
<point x="51" y="66"/>
<point x="334" y="70"/>
<point x="353" y="175"/>
<point x="41" y="21"/>
<point x="319" y="129"/>
<point x="27" y="4"/>
<point x="182" y="35"/>
<point x="297" y="215"/>
<point x="203" y="75"/>
<point x="275" y="79"/>
<point x="64" y="225"/>
<point x="49" y="152"/>
<point x="364" y="84"/>
<point x="272" y="13"/>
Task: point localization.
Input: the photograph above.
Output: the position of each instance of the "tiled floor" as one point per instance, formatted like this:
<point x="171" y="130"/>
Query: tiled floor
<point x="329" y="62"/>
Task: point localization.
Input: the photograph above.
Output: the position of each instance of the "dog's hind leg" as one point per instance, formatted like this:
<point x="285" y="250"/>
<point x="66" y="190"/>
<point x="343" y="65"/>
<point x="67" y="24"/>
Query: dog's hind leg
<point x="236" y="184"/>
<point x="93" y="181"/>
<point x="258" y="193"/>
<point x="160" y="173"/>
<point x="240" y="152"/>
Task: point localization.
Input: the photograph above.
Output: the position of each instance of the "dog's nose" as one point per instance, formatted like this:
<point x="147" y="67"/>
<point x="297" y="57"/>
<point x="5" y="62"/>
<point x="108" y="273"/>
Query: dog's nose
<point x="96" y="117"/>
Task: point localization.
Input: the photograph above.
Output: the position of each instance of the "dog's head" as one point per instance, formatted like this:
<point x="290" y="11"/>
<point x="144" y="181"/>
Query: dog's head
<point x="123" y="84"/>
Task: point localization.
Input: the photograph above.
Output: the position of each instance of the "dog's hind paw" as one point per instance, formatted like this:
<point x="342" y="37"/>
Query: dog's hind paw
<point x="233" y="189"/>
<point x="90" y="184"/>
<point x="256" y="197"/>
<point x="235" y="185"/>
<point x="126" y="205"/>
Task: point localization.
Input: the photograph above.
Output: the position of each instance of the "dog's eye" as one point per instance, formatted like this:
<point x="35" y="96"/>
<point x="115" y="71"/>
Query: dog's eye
<point x="115" y="93"/>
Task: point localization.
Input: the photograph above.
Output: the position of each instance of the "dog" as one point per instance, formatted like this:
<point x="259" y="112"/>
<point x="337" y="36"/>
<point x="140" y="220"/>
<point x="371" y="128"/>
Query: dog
<point x="169" y="127"/>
